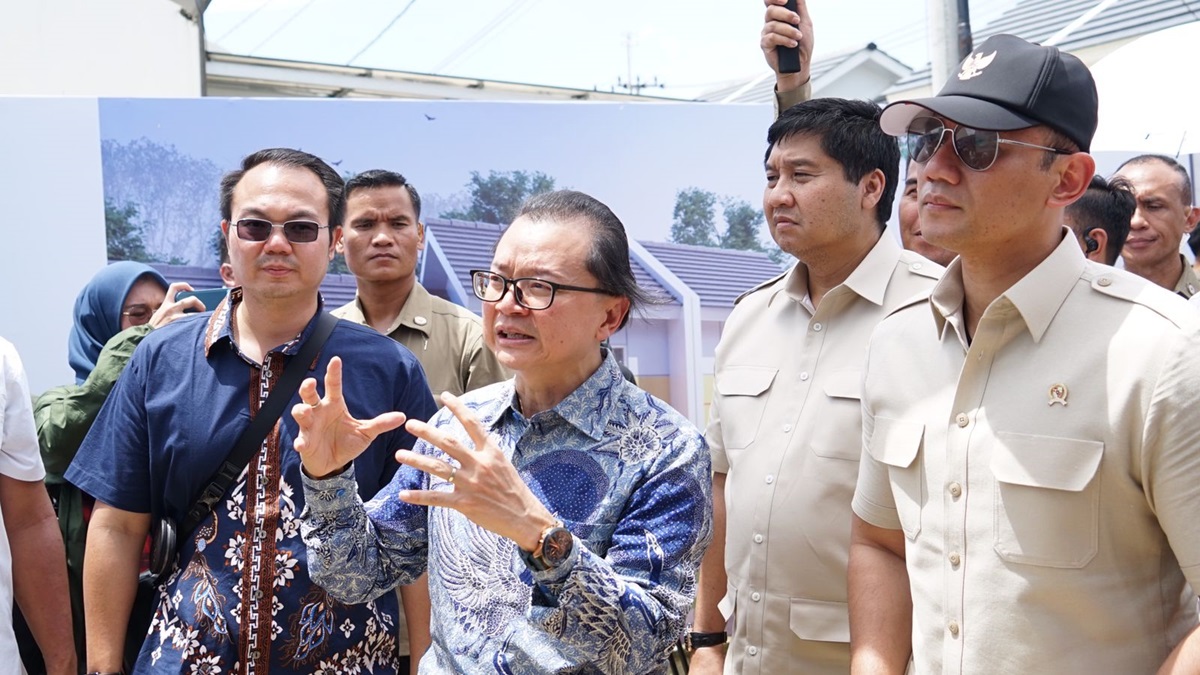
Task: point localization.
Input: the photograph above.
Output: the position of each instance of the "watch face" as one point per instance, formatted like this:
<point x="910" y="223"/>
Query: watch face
<point x="556" y="547"/>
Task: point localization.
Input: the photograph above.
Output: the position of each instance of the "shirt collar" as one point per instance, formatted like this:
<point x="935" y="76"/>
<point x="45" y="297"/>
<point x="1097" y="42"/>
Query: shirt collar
<point x="869" y="280"/>
<point x="1037" y="296"/>
<point x="1188" y="284"/>
<point x="588" y="408"/>
<point x="220" y="325"/>
<point x="415" y="314"/>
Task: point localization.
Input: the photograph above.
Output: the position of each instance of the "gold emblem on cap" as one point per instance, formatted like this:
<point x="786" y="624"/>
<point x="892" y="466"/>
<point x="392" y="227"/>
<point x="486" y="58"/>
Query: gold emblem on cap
<point x="973" y="65"/>
<point x="1058" y="394"/>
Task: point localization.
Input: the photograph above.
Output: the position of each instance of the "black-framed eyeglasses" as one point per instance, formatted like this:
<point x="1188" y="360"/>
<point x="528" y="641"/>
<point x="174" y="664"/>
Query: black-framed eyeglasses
<point x="296" y="231"/>
<point x="976" y="148"/>
<point x="528" y="292"/>
<point x="139" y="314"/>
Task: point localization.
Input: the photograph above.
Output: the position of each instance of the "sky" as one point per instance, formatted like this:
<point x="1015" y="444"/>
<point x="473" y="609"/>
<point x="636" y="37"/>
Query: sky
<point x="690" y="47"/>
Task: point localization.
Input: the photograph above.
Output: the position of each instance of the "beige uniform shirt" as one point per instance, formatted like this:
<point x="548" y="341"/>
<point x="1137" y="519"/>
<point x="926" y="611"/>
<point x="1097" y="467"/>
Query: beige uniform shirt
<point x="446" y="338"/>
<point x="1046" y="474"/>
<point x="1188" y="284"/>
<point x="785" y="426"/>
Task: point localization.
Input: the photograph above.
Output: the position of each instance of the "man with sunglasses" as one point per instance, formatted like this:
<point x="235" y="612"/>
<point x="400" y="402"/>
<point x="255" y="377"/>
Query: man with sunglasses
<point x="1027" y="496"/>
<point x="561" y="514"/>
<point x="241" y="599"/>
<point x="785" y="424"/>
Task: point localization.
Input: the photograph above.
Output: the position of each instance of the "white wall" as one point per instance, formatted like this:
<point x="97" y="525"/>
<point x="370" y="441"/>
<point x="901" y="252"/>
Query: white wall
<point x="123" y="48"/>
<point x="53" y="228"/>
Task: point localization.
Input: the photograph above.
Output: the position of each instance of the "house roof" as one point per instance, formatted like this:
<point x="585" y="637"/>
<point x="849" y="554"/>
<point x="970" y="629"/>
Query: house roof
<point x="468" y="245"/>
<point x="717" y="275"/>
<point x="1074" y="25"/>
<point x="761" y="88"/>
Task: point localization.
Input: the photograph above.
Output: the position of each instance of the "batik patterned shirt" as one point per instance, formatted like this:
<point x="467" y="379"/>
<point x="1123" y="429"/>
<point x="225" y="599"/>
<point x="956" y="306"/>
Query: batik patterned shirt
<point x="242" y="600"/>
<point x="630" y="478"/>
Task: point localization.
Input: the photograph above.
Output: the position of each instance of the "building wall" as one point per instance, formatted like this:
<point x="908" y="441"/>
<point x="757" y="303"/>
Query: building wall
<point x="98" y="48"/>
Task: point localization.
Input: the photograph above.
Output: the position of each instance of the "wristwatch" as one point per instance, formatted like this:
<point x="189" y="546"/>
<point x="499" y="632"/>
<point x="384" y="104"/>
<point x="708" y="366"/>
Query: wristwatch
<point x="554" y="547"/>
<point x="694" y="641"/>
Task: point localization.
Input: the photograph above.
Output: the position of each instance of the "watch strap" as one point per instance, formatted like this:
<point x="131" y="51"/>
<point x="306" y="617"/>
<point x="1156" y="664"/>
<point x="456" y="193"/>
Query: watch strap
<point x="693" y="641"/>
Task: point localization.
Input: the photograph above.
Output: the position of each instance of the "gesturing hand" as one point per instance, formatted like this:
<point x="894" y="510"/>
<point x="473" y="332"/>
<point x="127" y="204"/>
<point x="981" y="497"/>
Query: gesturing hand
<point x="330" y="438"/>
<point x="487" y="488"/>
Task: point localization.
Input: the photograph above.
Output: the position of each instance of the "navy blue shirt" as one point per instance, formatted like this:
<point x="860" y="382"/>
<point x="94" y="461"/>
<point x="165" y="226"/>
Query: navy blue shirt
<point x="242" y="594"/>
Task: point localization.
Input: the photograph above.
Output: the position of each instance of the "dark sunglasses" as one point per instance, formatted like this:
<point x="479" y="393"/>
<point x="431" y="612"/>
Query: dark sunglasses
<point x="296" y="231"/>
<point x="976" y="148"/>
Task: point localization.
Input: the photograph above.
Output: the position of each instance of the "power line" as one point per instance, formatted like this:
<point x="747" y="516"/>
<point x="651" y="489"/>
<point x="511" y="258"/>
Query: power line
<point x="385" y="29"/>
<point x="483" y="35"/>
<point x="239" y="24"/>
<point x="282" y="26"/>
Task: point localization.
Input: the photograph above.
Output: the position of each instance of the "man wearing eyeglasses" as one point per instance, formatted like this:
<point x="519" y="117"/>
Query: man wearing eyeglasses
<point x="562" y="514"/>
<point x="1027" y="496"/>
<point x="241" y="599"/>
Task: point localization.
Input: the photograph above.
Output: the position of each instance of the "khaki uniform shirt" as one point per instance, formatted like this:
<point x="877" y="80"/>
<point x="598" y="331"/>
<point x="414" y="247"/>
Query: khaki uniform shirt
<point x="785" y="427"/>
<point x="1046" y="473"/>
<point x="1188" y="284"/>
<point x="446" y="338"/>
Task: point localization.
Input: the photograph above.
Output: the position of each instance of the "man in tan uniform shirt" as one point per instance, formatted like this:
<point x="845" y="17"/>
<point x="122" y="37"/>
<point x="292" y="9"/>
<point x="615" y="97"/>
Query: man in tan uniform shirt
<point x="381" y="240"/>
<point x="1164" y="215"/>
<point x="1028" y="491"/>
<point x="785" y="423"/>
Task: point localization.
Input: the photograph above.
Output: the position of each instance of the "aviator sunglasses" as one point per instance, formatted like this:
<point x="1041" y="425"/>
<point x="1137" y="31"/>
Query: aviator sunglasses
<point x="296" y="231"/>
<point x="976" y="148"/>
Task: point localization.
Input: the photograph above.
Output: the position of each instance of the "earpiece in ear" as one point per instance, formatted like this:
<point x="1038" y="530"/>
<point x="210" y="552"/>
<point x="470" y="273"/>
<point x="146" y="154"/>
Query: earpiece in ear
<point x="1091" y="244"/>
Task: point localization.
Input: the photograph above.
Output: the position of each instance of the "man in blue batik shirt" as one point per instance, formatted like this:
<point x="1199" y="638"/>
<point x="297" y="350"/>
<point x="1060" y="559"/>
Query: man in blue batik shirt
<point x="563" y="514"/>
<point x="242" y="600"/>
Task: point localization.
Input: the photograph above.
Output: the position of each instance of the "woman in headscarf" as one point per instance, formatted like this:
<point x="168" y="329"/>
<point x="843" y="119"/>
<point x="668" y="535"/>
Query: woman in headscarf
<point x="114" y="311"/>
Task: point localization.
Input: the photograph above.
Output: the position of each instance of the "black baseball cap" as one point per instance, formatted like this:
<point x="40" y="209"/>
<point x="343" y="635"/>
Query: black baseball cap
<point x="1007" y="83"/>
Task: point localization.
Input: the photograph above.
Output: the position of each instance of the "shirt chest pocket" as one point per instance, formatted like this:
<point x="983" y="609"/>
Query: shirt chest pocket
<point x="837" y="431"/>
<point x="897" y="443"/>
<point x="743" y="392"/>
<point x="1046" y="499"/>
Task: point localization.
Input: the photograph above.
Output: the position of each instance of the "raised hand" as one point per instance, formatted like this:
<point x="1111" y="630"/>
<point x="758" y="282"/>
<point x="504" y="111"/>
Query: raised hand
<point x="783" y="28"/>
<point x="487" y="488"/>
<point x="172" y="309"/>
<point x="330" y="438"/>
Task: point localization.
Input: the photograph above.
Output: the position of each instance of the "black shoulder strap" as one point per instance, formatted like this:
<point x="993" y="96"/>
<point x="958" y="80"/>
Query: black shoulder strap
<point x="252" y="437"/>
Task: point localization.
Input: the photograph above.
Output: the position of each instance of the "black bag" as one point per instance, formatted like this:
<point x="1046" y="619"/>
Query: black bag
<point x="164" y="546"/>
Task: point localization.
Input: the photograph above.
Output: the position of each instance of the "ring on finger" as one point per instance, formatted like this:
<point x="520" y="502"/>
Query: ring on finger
<point x="453" y="470"/>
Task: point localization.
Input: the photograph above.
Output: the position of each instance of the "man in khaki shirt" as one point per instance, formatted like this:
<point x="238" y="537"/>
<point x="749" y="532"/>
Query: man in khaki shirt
<point x="1164" y="215"/>
<point x="1027" y="496"/>
<point x="381" y="243"/>
<point x="381" y="240"/>
<point x="785" y="420"/>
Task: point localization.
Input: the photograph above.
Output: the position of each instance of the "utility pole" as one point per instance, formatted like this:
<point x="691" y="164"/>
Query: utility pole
<point x="631" y="85"/>
<point x="950" y="38"/>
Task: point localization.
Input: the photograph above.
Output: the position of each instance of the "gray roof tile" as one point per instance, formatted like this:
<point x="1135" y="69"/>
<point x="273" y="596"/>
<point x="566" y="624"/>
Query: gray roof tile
<point x="717" y="275"/>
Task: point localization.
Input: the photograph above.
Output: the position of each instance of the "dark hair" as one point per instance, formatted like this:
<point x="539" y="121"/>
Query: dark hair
<point x="288" y="157"/>
<point x="850" y="135"/>
<point x="608" y="259"/>
<point x="378" y="178"/>
<point x="1185" y="181"/>
<point x="1107" y="205"/>
<point x="1059" y="141"/>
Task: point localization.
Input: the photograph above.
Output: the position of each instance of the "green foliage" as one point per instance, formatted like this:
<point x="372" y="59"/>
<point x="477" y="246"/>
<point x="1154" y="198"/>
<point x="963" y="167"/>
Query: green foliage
<point x="124" y="235"/>
<point x="497" y="197"/>
<point x="741" y="226"/>
<point x="695" y="216"/>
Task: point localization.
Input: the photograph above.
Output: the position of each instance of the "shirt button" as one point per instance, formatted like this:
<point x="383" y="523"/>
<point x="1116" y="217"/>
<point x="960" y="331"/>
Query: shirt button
<point x="804" y="377"/>
<point x="758" y="539"/>
<point x="953" y="627"/>
<point x="254" y="655"/>
<point x="756" y="596"/>
<point x="258" y="594"/>
<point x="955" y="490"/>
<point x="787" y="428"/>
<point x="954" y="559"/>
<point x="917" y="266"/>
<point x="1104" y="281"/>
<point x="752" y="650"/>
<point x="962" y="419"/>
<point x="817" y="327"/>
<point x="770" y="479"/>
